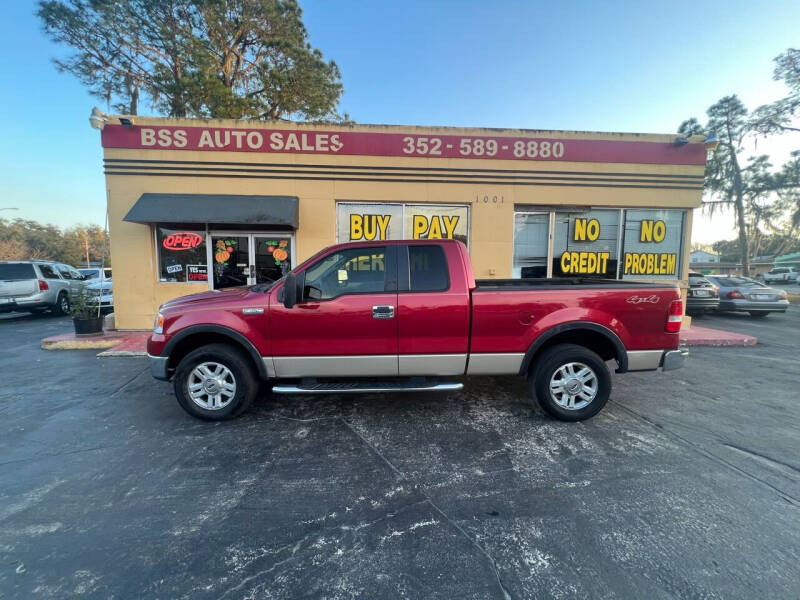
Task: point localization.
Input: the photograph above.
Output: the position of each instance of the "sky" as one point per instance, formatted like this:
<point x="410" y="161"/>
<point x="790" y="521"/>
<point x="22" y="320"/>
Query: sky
<point x="612" y="66"/>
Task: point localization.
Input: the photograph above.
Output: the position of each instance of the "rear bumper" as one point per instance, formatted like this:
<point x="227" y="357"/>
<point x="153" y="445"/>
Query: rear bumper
<point x="159" y="367"/>
<point x="23" y="305"/>
<point x="39" y="300"/>
<point x="745" y="305"/>
<point x="650" y="360"/>
<point x="701" y="303"/>
<point x="674" y="359"/>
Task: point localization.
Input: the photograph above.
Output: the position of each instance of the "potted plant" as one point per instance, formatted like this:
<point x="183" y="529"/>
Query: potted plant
<point x="87" y="319"/>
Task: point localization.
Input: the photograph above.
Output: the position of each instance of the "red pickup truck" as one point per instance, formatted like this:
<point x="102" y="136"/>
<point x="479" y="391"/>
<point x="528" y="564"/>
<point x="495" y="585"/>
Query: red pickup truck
<point x="405" y="316"/>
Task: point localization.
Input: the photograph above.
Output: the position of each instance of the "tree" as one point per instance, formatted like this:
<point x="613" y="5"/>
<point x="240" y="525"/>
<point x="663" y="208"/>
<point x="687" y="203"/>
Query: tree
<point x="724" y="178"/>
<point x="86" y="241"/>
<point x="11" y="249"/>
<point x="787" y="188"/>
<point x="202" y="58"/>
<point x="23" y="239"/>
<point x="778" y="117"/>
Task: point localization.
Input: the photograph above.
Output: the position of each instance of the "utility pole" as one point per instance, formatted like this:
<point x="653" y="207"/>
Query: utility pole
<point x="86" y="245"/>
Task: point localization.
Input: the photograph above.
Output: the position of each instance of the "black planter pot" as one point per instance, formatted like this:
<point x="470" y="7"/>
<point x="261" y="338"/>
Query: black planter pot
<point x="90" y="326"/>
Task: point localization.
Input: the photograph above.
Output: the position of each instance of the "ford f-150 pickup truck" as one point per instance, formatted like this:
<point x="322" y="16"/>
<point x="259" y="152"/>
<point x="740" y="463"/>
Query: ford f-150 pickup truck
<point x="407" y="316"/>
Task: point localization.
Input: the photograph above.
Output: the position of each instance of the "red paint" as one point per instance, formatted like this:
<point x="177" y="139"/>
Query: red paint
<point x="184" y="240"/>
<point x="462" y="319"/>
<point x="364" y="143"/>
<point x="436" y="322"/>
<point x="342" y="326"/>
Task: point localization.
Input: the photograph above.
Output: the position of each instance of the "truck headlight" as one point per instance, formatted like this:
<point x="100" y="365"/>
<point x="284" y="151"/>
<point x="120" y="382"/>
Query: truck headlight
<point x="158" y="325"/>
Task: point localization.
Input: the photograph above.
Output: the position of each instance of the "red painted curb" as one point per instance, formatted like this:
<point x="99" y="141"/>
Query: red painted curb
<point x="704" y="336"/>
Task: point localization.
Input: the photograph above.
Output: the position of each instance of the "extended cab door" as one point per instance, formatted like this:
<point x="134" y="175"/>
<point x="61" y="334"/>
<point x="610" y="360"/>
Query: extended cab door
<point x="345" y="324"/>
<point x="433" y="310"/>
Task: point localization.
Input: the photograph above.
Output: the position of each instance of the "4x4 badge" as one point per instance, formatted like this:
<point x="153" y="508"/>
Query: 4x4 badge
<point x="643" y="299"/>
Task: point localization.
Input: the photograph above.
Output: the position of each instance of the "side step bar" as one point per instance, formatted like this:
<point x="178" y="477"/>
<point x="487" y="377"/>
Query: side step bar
<point x="365" y="387"/>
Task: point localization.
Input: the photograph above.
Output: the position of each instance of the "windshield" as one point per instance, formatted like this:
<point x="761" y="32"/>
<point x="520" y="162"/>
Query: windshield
<point x="695" y="280"/>
<point x="264" y="287"/>
<point x="16" y="271"/>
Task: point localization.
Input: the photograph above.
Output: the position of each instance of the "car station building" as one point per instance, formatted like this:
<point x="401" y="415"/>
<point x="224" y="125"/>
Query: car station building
<point x="196" y="205"/>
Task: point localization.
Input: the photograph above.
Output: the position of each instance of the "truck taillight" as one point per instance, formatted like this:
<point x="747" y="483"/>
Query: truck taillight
<point x="674" y="317"/>
<point x="43" y="285"/>
<point x="735" y="295"/>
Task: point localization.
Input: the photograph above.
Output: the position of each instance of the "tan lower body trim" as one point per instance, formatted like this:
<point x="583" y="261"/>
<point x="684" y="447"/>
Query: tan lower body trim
<point x="495" y="363"/>
<point x="336" y="366"/>
<point x="432" y="364"/>
<point x="644" y="360"/>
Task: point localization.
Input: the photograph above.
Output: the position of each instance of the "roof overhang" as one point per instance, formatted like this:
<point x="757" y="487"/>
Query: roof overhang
<point x="226" y="209"/>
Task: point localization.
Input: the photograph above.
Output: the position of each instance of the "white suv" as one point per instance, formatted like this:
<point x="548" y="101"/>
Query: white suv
<point x="36" y="285"/>
<point x="781" y="274"/>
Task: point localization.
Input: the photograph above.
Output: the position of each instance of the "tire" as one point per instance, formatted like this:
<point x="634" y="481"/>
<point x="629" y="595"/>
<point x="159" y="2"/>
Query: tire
<point x="61" y="307"/>
<point x="548" y="368"/>
<point x="214" y="368"/>
<point x="758" y="314"/>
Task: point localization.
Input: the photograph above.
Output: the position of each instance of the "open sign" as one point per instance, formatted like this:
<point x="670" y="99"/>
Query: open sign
<point x="183" y="240"/>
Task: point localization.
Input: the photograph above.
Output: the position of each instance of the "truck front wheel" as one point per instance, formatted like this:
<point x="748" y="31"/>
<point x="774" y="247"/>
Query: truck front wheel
<point x="570" y="382"/>
<point x="215" y="382"/>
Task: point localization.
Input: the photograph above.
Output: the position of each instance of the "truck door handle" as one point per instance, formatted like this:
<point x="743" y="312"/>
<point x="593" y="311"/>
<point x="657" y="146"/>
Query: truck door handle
<point x="383" y="311"/>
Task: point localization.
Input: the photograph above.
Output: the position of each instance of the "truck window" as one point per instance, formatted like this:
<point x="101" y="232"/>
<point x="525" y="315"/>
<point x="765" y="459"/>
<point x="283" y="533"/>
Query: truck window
<point x="351" y="271"/>
<point x="428" y="269"/>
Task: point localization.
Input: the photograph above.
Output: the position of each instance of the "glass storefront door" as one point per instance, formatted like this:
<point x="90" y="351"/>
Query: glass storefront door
<point x="241" y="259"/>
<point x="273" y="257"/>
<point x="230" y="257"/>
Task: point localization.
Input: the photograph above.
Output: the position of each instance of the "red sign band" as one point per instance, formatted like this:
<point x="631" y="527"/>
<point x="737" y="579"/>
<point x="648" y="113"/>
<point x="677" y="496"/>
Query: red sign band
<point x="279" y="141"/>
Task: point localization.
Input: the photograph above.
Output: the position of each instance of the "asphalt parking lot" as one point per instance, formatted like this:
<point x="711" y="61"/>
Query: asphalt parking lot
<point x="686" y="486"/>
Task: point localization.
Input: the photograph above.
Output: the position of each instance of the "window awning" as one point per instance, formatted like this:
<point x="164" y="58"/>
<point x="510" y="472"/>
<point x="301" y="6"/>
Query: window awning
<point x="215" y="208"/>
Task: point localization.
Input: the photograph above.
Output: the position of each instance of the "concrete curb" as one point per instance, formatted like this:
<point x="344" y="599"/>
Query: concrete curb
<point x="79" y="344"/>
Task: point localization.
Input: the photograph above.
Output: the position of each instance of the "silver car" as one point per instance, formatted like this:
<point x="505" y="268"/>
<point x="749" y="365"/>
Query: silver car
<point x="748" y="295"/>
<point x="37" y="285"/>
<point x="100" y="294"/>
<point x="95" y="274"/>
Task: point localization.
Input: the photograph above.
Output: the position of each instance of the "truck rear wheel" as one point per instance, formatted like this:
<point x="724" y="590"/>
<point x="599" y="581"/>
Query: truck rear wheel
<point x="215" y="382"/>
<point x="570" y="382"/>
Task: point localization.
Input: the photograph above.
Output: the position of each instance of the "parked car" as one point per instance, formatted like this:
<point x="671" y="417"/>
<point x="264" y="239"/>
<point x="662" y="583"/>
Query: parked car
<point x="95" y="274"/>
<point x="38" y="285"/>
<point x="100" y="292"/>
<point x="702" y="295"/>
<point x="779" y="274"/>
<point x="409" y="316"/>
<point x="744" y="294"/>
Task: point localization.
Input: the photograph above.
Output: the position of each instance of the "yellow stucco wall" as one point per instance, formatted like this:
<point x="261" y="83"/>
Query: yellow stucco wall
<point x="137" y="293"/>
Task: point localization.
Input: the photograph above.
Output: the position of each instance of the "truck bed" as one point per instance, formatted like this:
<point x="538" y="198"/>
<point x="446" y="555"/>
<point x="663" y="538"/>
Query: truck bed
<point x="562" y="282"/>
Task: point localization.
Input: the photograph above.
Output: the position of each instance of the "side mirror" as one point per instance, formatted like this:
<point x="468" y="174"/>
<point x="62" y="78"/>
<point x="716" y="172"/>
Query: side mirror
<point x="290" y="290"/>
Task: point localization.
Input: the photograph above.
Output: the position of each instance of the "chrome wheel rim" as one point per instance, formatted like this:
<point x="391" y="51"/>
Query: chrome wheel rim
<point x="64" y="304"/>
<point x="211" y="386"/>
<point x="573" y="386"/>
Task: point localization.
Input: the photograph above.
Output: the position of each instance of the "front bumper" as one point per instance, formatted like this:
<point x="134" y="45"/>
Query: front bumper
<point x="159" y="367"/>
